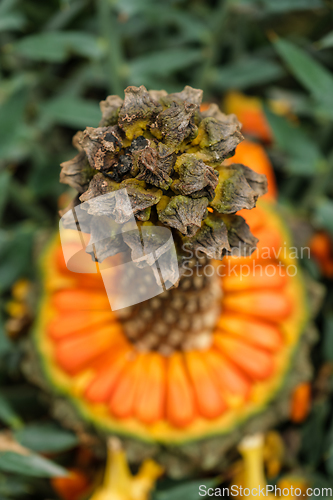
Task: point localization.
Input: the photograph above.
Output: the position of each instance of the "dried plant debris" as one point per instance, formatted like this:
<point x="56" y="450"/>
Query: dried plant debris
<point x="159" y="158"/>
<point x="98" y="186"/>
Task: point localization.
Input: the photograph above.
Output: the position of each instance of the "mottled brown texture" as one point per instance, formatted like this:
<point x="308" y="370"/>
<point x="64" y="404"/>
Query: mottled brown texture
<point x="155" y="166"/>
<point x="98" y="186"/>
<point x="139" y="107"/>
<point x="101" y="146"/>
<point x="175" y="122"/>
<point x="219" y="138"/>
<point x="241" y="240"/>
<point x="195" y="177"/>
<point x="183" y="213"/>
<point x="238" y="187"/>
<point x="110" y="110"/>
<point x="258" y="182"/>
<point x="211" y="239"/>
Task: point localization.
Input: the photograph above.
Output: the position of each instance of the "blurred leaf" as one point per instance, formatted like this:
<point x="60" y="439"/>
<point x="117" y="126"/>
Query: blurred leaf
<point x="190" y="26"/>
<point x="46" y="438"/>
<point x="30" y="465"/>
<point x="73" y="112"/>
<point x="276" y="6"/>
<point x="65" y="14"/>
<point x="311" y="266"/>
<point x="57" y="46"/>
<point x="25" y="399"/>
<point x="14" y="486"/>
<point x="304" y="156"/>
<point x="4" y="183"/>
<point x="11" y="123"/>
<point x="44" y="176"/>
<point x="8" y="415"/>
<point x="16" y="254"/>
<point x="329" y="454"/>
<point x="5" y="344"/>
<point x="43" y="47"/>
<point x="131" y="7"/>
<point x="329" y="461"/>
<point x="185" y="490"/>
<point x="83" y="44"/>
<point x="326" y="41"/>
<point x="6" y="6"/>
<point x="309" y="72"/>
<point x="324" y="214"/>
<point x="327" y="347"/>
<point x="246" y="73"/>
<point x="11" y="22"/>
<point x="319" y="480"/>
<point x="114" y="64"/>
<point x="25" y="202"/>
<point x="162" y="62"/>
<point x="313" y="433"/>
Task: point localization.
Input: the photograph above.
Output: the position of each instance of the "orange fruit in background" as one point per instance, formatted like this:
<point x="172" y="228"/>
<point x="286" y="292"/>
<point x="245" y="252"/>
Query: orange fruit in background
<point x="72" y="487"/>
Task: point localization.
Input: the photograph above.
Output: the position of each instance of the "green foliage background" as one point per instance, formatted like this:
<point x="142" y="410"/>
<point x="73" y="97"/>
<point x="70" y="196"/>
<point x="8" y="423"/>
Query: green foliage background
<point x="59" y="58"/>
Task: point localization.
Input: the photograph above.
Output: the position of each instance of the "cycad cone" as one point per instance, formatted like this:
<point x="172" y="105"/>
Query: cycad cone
<point x="186" y="409"/>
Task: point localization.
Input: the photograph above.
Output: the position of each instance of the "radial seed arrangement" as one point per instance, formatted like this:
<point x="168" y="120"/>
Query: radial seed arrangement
<point x="178" y="375"/>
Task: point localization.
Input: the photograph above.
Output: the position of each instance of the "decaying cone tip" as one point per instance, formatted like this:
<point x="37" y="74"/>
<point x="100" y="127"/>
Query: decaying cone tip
<point x="168" y="155"/>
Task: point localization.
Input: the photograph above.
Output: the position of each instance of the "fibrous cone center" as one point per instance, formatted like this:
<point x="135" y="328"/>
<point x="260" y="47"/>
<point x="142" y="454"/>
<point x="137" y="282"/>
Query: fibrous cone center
<point x="181" y="318"/>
